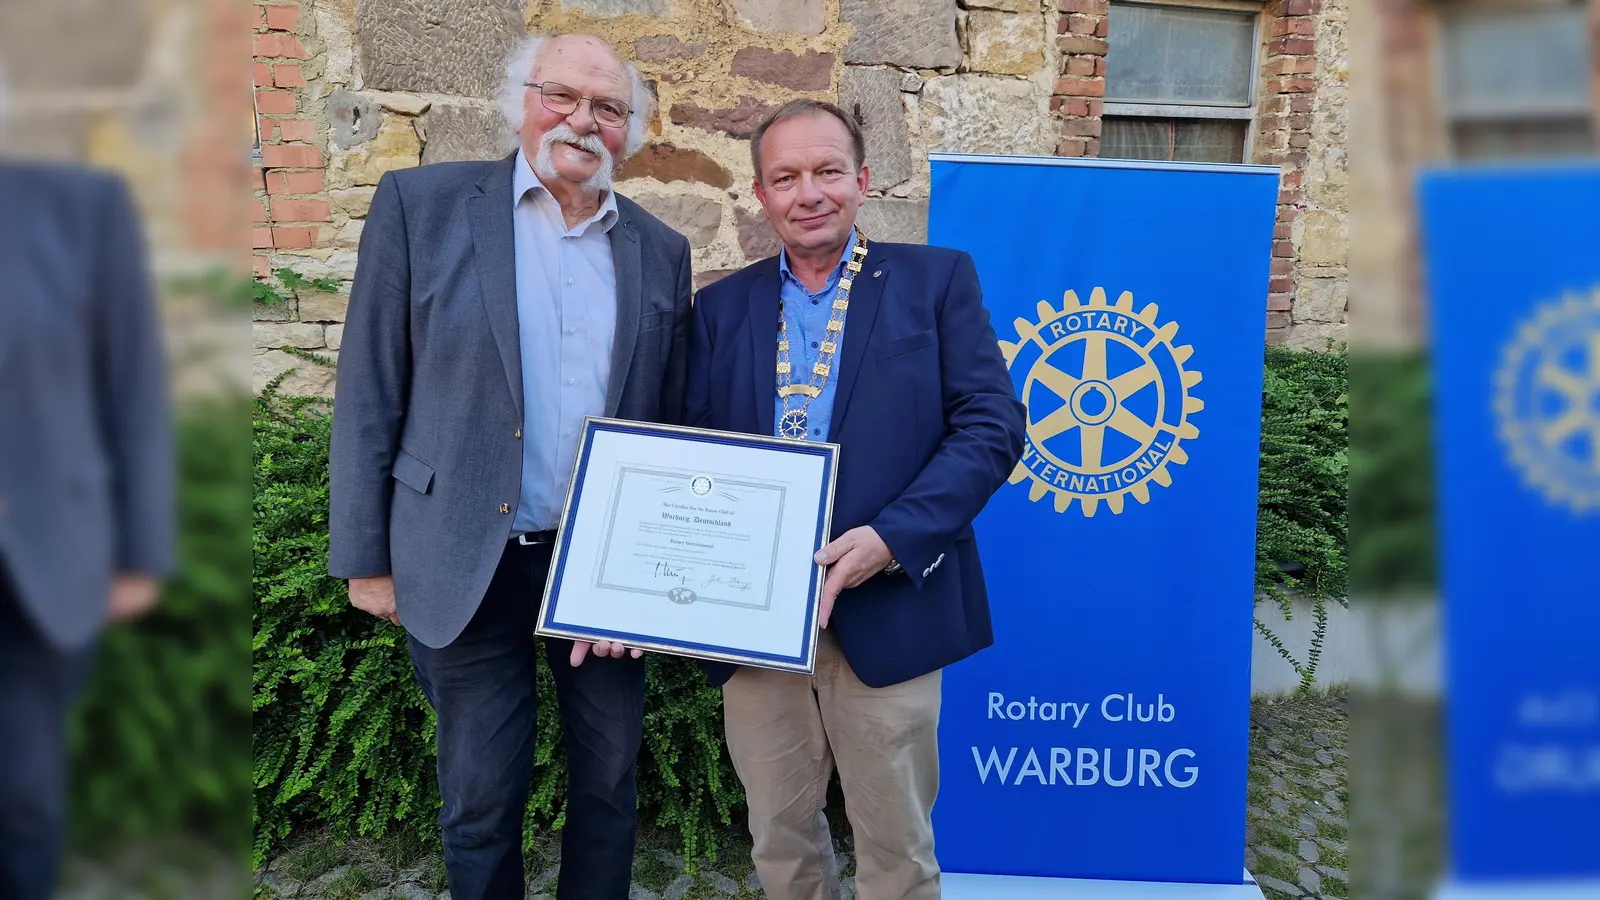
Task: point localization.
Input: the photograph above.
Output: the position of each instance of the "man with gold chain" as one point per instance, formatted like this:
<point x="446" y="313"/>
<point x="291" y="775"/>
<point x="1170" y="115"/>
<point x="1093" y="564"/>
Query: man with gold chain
<point x="885" y="349"/>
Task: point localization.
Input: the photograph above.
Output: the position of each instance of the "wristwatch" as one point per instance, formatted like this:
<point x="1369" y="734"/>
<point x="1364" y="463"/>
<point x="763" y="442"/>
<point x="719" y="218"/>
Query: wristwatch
<point x="893" y="568"/>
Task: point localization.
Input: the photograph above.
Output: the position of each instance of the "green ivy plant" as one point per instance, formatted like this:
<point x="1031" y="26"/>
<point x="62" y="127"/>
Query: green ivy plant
<point x="266" y="294"/>
<point x="1301" y="518"/>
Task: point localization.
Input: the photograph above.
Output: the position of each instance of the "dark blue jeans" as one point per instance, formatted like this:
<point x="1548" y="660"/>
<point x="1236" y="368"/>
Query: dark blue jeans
<point x="38" y="683"/>
<point x="482" y="689"/>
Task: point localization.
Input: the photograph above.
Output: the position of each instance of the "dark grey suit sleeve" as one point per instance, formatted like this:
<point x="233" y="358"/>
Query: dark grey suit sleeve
<point x="131" y="387"/>
<point x="675" y="376"/>
<point x="370" y="397"/>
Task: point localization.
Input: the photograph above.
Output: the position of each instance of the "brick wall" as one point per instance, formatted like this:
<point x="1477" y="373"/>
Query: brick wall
<point x="1300" y="125"/>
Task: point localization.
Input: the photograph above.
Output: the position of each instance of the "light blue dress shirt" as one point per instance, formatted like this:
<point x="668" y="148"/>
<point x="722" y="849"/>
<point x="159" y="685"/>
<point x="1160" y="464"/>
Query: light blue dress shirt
<point x="806" y="314"/>
<point x="566" y="320"/>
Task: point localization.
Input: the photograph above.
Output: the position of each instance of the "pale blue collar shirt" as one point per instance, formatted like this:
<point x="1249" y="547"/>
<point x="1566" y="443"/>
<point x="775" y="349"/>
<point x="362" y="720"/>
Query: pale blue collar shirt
<point x="566" y="320"/>
<point x="806" y="314"/>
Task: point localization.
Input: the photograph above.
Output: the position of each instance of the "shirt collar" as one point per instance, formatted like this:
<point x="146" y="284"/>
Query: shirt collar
<point x="844" y="259"/>
<point x="523" y="182"/>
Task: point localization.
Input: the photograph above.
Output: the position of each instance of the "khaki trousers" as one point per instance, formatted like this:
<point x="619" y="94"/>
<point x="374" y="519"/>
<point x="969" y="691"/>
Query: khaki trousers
<point x="785" y="734"/>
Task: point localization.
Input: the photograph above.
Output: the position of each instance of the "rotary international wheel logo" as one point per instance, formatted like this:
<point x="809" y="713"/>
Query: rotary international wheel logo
<point x="1108" y="401"/>
<point x="1547" y="401"/>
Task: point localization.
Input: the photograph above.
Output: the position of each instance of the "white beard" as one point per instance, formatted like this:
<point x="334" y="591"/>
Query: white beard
<point x="546" y="167"/>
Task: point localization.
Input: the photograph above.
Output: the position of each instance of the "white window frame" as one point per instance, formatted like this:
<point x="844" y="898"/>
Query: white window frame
<point x="1247" y="112"/>
<point x="1452" y="112"/>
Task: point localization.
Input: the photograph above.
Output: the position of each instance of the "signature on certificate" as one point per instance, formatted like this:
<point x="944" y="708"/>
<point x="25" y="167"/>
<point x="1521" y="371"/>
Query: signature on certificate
<point x="669" y="571"/>
<point x="733" y="583"/>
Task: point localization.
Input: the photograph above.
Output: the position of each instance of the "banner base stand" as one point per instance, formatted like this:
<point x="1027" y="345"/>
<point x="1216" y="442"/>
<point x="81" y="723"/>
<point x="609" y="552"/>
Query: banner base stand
<point x="1586" y="889"/>
<point x="958" y="886"/>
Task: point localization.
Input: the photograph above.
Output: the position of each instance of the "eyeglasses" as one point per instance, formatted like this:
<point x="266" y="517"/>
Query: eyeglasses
<point x="559" y="98"/>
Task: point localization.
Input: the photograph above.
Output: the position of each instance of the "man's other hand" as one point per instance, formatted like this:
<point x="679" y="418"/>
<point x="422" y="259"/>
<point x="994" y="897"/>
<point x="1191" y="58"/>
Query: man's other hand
<point x="857" y="555"/>
<point x="582" y="649"/>
<point x="132" y="596"/>
<point x="375" y="596"/>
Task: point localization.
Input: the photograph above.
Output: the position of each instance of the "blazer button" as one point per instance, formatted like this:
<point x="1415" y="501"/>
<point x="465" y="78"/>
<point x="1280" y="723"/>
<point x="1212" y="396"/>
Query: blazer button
<point x="505" y="508"/>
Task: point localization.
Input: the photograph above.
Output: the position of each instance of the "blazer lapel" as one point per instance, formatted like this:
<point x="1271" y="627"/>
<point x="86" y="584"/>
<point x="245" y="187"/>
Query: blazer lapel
<point x="495" y="246"/>
<point x="625" y="259"/>
<point x="866" y="295"/>
<point x="763" y="327"/>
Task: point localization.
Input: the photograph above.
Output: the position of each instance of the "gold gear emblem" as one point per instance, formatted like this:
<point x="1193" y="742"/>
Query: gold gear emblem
<point x="1547" y="401"/>
<point x="1108" y="401"/>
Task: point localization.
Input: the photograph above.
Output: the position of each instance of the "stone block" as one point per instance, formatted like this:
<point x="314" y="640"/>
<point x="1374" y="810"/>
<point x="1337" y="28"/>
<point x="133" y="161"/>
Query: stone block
<point x="354" y="118"/>
<point x="349" y="237"/>
<point x="1002" y="5"/>
<point x="333" y="335"/>
<point x="792" y="16"/>
<point x="696" y="218"/>
<point x="396" y="146"/>
<point x="86" y="45"/>
<point x="353" y="202"/>
<point x="811" y="71"/>
<point x="609" y="8"/>
<point x="1325" y="240"/>
<point x="338" y="264"/>
<point x="662" y="47"/>
<point x="453" y="133"/>
<point x="322" y="306"/>
<point x="705" y="279"/>
<point x="917" y="34"/>
<point x="404" y="104"/>
<point x="1324" y="300"/>
<point x="873" y="97"/>
<point x="740" y="121"/>
<point x="1004" y="43"/>
<point x="757" y="240"/>
<point x="425" y="46"/>
<point x="1318" y="336"/>
<point x="308" y="379"/>
<point x="46" y="134"/>
<point x="896" y="221"/>
<point x="982" y="114"/>
<point x="291" y="334"/>
<point x="667" y="163"/>
<point x="911" y="82"/>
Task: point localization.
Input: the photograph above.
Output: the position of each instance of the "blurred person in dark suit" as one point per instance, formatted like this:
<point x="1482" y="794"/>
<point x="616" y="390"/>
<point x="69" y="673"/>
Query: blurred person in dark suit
<point x="86" y="477"/>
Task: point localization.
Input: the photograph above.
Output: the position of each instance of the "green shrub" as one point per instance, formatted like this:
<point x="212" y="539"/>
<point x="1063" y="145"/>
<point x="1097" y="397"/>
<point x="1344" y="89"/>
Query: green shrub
<point x="1301" y="526"/>
<point x="1392" y="474"/>
<point x="161" y="740"/>
<point x="344" y="735"/>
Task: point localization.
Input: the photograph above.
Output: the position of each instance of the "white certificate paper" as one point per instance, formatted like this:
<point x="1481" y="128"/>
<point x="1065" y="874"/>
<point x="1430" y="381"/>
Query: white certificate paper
<point x="693" y="542"/>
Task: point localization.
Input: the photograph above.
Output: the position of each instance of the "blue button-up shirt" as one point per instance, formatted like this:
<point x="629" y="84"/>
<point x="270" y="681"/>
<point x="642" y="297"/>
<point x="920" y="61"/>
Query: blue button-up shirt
<point x="806" y="314"/>
<point x="566" y="319"/>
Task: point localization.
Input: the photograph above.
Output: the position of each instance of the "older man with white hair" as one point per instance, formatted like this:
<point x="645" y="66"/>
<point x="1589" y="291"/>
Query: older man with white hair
<point x="495" y="305"/>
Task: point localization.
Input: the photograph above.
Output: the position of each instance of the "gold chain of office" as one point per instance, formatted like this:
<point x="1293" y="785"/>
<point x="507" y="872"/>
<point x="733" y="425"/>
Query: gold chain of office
<point x="793" y="423"/>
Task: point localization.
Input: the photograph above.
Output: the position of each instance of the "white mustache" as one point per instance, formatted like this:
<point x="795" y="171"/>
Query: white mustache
<point x="564" y="134"/>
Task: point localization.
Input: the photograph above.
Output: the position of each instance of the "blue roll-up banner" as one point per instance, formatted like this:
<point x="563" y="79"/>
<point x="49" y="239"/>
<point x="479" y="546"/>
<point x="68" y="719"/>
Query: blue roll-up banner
<point x="1105" y="734"/>
<point x="1513" y="268"/>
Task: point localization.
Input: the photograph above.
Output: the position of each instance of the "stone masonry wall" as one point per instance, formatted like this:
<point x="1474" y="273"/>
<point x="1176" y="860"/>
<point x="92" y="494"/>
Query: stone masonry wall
<point x="349" y="89"/>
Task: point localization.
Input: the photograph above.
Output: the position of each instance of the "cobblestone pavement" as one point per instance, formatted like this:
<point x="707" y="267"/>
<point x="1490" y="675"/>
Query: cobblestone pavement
<point x="1296" y="833"/>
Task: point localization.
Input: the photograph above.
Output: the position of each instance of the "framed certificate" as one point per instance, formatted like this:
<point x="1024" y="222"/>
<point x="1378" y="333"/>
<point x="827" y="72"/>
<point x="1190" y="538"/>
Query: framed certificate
<point x="693" y="542"/>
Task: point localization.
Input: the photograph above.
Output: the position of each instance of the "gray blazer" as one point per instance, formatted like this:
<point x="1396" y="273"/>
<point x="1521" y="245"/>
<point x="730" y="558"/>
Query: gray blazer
<point x="426" y="466"/>
<point x="86" y="469"/>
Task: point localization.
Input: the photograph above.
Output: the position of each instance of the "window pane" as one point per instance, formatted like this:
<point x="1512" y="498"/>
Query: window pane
<point x="1523" y="140"/>
<point x="1168" y="55"/>
<point x="1511" y="62"/>
<point x="1180" y="140"/>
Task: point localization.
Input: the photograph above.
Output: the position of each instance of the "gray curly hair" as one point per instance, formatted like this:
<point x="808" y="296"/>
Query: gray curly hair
<point x="521" y="62"/>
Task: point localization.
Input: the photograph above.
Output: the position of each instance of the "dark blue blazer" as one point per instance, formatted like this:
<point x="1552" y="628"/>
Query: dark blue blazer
<point x="928" y="425"/>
